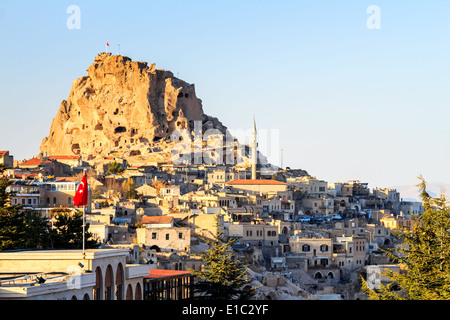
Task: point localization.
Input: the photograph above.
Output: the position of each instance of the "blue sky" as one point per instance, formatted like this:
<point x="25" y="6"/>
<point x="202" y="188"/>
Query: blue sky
<point x="349" y="102"/>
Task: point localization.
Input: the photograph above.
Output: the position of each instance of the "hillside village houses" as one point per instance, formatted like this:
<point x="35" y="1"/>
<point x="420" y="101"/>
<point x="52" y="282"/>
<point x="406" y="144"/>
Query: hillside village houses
<point x="291" y="228"/>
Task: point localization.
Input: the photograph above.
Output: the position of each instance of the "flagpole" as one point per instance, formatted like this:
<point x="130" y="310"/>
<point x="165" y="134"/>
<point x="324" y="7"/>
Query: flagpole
<point x="84" y="209"/>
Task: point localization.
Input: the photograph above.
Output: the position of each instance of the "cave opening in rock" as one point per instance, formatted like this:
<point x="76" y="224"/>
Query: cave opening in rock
<point x="76" y="148"/>
<point x="120" y="129"/>
<point x="135" y="153"/>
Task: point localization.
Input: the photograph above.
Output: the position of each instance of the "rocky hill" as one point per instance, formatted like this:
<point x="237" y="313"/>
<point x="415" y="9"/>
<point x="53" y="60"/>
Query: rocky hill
<point x="124" y="108"/>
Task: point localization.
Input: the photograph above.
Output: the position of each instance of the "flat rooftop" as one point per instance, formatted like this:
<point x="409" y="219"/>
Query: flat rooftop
<point x="161" y="274"/>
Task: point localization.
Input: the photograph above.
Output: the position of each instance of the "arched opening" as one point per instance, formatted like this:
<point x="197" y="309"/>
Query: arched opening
<point x="155" y="247"/>
<point x="330" y="275"/>
<point x="98" y="284"/>
<point x="74" y="298"/>
<point x="129" y="295"/>
<point x="285" y="230"/>
<point x="318" y="275"/>
<point x="109" y="283"/>
<point x="86" y="297"/>
<point x="138" y="292"/>
<point x="119" y="282"/>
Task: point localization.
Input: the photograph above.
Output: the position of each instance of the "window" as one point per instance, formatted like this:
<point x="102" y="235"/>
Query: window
<point x="153" y="235"/>
<point x="167" y="236"/>
<point x="306" y="247"/>
<point x="323" y="248"/>
<point x="180" y="235"/>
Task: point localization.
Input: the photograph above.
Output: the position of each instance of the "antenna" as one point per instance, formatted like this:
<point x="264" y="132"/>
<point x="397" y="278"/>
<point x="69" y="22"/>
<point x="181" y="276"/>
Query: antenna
<point x="281" y="159"/>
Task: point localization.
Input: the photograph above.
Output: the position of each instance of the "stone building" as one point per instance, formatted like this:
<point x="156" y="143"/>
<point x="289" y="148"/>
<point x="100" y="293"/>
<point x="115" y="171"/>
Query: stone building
<point x="221" y="176"/>
<point x="6" y="159"/>
<point x="349" y="253"/>
<point x="160" y="233"/>
<point x="254" y="232"/>
<point x="48" y="194"/>
<point x="318" y="251"/>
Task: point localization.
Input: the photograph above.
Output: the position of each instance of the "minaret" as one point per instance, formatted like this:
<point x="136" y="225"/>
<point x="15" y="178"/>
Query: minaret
<point x="253" y="145"/>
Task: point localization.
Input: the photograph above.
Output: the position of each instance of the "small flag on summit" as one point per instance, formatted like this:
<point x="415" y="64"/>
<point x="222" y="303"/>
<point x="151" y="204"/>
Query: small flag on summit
<point x="107" y="43"/>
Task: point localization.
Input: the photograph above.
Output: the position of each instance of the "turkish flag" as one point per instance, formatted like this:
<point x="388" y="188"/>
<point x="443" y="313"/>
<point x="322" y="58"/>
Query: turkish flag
<point x="107" y="43"/>
<point x="81" y="197"/>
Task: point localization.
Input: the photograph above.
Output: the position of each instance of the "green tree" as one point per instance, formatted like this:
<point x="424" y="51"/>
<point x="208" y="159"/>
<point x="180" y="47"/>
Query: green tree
<point x="223" y="276"/>
<point x="424" y="253"/>
<point x="12" y="225"/>
<point x="37" y="231"/>
<point x="114" y="168"/>
<point x="67" y="232"/>
<point x="19" y="229"/>
<point x="129" y="189"/>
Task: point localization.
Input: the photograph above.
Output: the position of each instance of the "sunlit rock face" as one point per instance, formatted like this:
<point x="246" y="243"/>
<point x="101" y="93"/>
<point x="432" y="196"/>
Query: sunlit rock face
<point x="123" y="106"/>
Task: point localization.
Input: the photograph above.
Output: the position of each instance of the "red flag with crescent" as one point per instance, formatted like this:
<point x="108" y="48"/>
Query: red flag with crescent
<point x="81" y="197"/>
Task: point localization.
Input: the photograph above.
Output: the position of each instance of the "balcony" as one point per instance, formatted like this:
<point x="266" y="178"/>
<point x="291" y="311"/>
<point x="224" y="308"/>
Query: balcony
<point x="27" y="194"/>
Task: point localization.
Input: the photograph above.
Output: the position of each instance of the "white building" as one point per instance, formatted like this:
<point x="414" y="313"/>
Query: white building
<point x="102" y="274"/>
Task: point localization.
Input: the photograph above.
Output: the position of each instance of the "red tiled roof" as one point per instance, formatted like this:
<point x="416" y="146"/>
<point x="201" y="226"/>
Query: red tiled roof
<point x="62" y="157"/>
<point x="33" y="162"/>
<point x="156" y="219"/>
<point x="66" y="179"/>
<point x="255" y="182"/>
<point x="161" y="273"/>
<point x="3" y="153"/>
